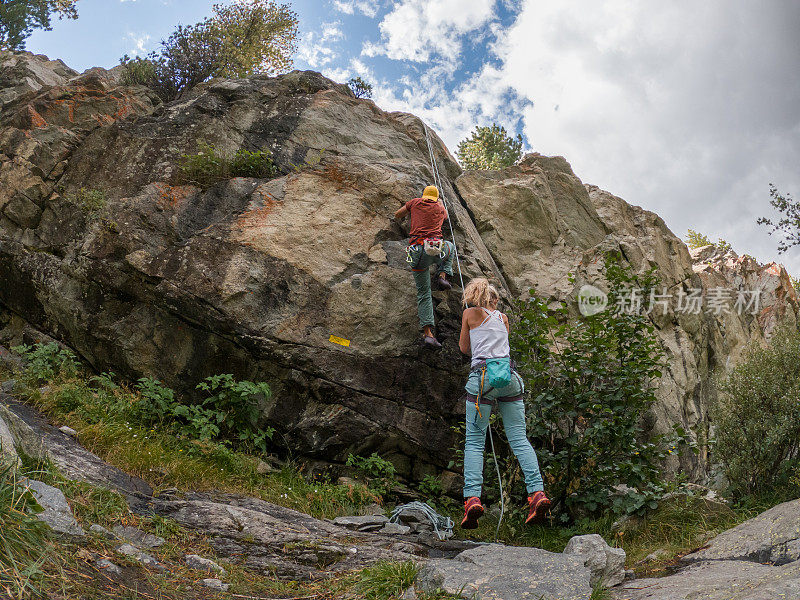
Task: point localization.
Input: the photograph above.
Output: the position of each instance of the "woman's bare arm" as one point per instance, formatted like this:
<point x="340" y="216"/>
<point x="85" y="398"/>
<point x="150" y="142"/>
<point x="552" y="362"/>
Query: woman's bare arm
<point x="505" y="322"/>
<point x="401" y="212"/>
<point x="463" y="340"/>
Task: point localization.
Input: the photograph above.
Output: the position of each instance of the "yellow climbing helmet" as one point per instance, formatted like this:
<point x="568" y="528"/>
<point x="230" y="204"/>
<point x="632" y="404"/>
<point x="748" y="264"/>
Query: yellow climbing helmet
<point x="431" y="193"/>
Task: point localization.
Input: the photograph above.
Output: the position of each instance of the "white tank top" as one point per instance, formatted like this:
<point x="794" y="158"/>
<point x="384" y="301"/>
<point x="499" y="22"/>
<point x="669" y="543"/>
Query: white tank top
<point x="490" y="338"/>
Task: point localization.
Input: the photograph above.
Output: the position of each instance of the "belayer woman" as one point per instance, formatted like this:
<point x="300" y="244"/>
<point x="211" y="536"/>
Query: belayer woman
<point x="484" y="335"/>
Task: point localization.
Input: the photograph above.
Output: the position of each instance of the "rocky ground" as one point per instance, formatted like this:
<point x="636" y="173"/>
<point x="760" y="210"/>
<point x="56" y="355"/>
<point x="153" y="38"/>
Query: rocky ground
<point x="758" y="560"/>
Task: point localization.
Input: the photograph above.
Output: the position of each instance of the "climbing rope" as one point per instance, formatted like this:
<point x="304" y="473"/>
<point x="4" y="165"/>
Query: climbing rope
<point x="438" y="183"/>
<point x="441" y="525"/>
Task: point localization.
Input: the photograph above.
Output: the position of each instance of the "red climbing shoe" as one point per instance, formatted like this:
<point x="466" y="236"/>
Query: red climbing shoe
<point x="473" y="510"/>
<point x="443" y="283"/>
<point x="538" y="504"/>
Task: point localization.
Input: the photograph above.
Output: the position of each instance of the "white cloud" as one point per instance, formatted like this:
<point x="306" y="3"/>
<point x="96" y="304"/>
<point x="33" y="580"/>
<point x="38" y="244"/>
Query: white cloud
<point x="138" y="41"/>
<point x="687" y="109"/>
<point x="417" y="30"/>
<point x="314" y="49"/>
<point x="367" y="8"/>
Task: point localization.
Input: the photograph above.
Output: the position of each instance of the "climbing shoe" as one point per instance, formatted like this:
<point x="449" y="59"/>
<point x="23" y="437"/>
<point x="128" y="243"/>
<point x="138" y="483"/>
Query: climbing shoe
<point x="443" y="283"/>
<point x="538" y="505"/>
<point x="431" y="342"/>
<point x="473" y="510"/>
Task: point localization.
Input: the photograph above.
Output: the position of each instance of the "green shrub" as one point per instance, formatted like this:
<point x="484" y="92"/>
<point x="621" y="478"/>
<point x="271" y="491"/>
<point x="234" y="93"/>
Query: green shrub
<point x="430" y="488"/>
<point x="232" y="409"/>
<point x="757" y="418"/>
<point x="23" y="538"/>
<point x="208" y="166"/>
<point x="380" y="474"/>
<point x="589" y="382"/>
<point x="138" y="71"/>
<point x="91" y="201"/>
<point x="46" y="361"/>
<point x="489" y="148"/>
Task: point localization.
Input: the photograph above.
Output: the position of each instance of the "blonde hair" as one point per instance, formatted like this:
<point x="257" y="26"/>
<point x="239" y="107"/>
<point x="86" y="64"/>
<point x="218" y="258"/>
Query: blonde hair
<point x="479" y="292"/>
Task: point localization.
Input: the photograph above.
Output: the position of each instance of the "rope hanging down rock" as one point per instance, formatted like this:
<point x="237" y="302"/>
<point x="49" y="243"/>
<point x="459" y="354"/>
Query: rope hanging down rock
<point x="438" y="183"/>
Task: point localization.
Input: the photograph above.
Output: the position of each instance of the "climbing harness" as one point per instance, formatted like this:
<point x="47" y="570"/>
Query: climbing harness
<point x="431" y="247"/>
<point x="443" y="526"/>
<point x="438" y="183"/>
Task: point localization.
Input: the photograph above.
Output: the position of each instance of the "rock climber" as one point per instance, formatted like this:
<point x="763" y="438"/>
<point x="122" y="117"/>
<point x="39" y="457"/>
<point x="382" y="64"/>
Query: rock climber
<point x="427" y="247"/>
<point x="484" y="335"/>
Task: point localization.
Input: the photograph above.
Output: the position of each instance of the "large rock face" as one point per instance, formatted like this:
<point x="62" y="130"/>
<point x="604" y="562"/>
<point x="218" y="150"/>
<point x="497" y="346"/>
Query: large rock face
<point x="540" y="223"/>
<point x="253" y="276"/>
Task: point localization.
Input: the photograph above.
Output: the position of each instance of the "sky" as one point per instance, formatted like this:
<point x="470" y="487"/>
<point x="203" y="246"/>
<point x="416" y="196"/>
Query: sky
<point x="689" y="109"/>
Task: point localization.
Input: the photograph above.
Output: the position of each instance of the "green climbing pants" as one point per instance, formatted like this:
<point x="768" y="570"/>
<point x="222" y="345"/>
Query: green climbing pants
<point x="420" y="265"/>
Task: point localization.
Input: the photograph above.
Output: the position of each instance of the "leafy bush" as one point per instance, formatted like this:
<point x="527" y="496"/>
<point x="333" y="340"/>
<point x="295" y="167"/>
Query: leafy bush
<point x="232" y="408"/>
<point x="430" y="488"/>
<point x="590" y="380"/>
<point x="208" y="166"/>
<point x="695" y="240"/>
<point x="243" y="38"/>
<point x="23" y="538"/>
<point x="757" y="417"/>
<point x="489" y="148"/>
<point x="46" y="361"/>
<point x="379" y="472"/>
<point x="360" y="88"/>
<point x="91" y="201"/>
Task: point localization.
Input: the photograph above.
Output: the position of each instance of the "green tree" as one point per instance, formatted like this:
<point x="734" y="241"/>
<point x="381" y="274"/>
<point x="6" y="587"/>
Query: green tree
<point x="789" y="224"/>
<point x="489" y="148"/>
<point x="18" y="19"/>
<point x="590" y="381"/>
<point x="757" y="417"/>
<point x="360" y="88"/>
<point x="247" y="37"/>
<point x="695" y="239"/>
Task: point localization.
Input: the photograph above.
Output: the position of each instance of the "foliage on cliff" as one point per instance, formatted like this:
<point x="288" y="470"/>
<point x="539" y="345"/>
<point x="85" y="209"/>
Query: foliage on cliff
<point x="19" y="18"/>
<point x="589" y="382"/>
<point x="247" y="37"/>
<point x="489" y="148"/>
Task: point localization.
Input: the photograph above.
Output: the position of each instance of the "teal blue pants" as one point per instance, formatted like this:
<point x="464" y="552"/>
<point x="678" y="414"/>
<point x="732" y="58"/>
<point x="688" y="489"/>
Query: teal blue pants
<point x="513" y="415"/>
<point x="420" y="265"/>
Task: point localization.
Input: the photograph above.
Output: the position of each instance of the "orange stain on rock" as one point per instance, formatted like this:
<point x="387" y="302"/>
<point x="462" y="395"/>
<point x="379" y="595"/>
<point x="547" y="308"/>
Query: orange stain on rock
<point x="36" y="119"/>
<point x="257" y="217"/>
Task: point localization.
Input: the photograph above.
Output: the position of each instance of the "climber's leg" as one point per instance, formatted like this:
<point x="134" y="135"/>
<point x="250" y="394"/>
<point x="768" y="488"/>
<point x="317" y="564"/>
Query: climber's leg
<point x="445" y="265"/>
<point x="513" y="414"/>
<point x="422" y="279"/>
<point x="474" y="443"/>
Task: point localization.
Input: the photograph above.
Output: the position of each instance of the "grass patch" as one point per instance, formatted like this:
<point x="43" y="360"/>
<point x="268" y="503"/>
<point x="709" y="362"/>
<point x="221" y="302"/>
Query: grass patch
<point x="168" y="452"/>
<point x="386" y="579"/>
<point x="24" y="546"/>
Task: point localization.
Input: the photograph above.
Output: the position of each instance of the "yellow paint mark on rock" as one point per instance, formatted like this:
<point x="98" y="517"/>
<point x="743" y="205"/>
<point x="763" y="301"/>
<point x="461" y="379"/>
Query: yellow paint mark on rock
<point x="341" y="341"/>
